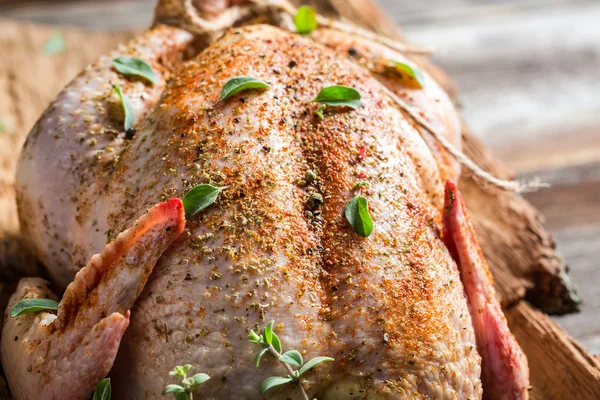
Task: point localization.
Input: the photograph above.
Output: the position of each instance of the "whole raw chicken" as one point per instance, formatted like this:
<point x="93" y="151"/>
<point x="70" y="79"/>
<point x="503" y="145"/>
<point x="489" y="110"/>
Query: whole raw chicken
<point x="407" y="312"/>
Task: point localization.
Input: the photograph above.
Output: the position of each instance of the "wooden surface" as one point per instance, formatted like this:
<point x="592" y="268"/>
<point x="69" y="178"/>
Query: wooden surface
<point x="559" y="367"/>
<point x="519" y="261"/>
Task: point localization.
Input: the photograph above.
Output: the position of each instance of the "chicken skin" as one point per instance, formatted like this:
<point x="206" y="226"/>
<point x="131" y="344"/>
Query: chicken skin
<point x="390" y="308"/>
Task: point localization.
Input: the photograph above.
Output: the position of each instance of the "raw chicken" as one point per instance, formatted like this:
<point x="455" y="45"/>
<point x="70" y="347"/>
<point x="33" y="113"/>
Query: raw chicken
<point x="389" y="308"/>
<point x="63" y="356"/>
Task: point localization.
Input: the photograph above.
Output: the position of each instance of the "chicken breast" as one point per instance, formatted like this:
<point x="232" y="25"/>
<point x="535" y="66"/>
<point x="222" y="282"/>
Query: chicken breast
<point x="422" y="93"/>
<point x="72" y="151"/>
<point x="390" y="308"/>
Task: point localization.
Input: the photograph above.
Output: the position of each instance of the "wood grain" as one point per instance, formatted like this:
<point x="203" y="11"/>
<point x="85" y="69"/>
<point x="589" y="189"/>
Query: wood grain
<point x="559" y="367"/>
<point x="583" y="252"/>
<point x="520" y="251"/>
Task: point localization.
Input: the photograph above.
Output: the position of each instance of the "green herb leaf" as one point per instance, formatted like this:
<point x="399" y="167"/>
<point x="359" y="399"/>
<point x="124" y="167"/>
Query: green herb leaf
<point x="412" y="74"/>
<point x="292" y="357"/>
<point x="339" y="96"/>
<point x="188" y="384"/>
<point x="103" y="390"/>
<point x="128" y="109"/>
<point x="276" y="343"/>
<point x="200" y="378"/>
<point x="268" y="332"/>
<point x="172" y="388"/>
<point x="199" y="198"/>
<point x="241" y="83"/>
<point x="55" y="44"/>
<point x="253" y="337"/>
<point x="357" y="214"/>
<point x="180" y="371"/>
<point x="135" y="66"/>
<point x="319" y="112"/>
<point x="273" y="381"/>
<point x="181" y="396"/>
<point x="29" y="306"/>
<point x="312" y="363"/>
<point x="306" y="20"/>
<point x="259" y="356"/>
<point x="3" y="126"/>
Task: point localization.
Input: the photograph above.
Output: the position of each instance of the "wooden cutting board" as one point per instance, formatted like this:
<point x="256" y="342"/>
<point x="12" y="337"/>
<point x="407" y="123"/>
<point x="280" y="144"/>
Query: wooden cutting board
<point x="519" y="249"/>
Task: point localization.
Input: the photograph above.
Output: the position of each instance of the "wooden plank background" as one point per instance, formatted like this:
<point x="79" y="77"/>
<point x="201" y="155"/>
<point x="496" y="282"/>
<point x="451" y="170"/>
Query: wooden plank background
<point x="527" y="72"/>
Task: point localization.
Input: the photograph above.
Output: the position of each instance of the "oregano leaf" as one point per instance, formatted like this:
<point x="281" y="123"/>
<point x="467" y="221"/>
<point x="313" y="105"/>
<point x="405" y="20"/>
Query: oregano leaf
<point x="314" y="362"/>
<point x="180" y="371"/>
<point x="259" y="355"/>
<point x="357" y="214"/>
<point x="274" y="381"/>
<point x="103" y="390"/>
<point x="268" y="333"/>
<point x="200" y="378"/>
<point x="181" y="396"/>
<point x="276" y="343"/>
<point x="339" y="95"/>
<point x="134" y="66"/>
<point x="253" y="337"/>
<point x="172" y="388"/>
<point x="269" y="342"/>
<point x="241" y="83"/>
<point x="292" y="357"/>
<point x="306" y="20"/>
<point x="319" y="112"/>
<point x="411" y="74"/>
<point x="128" y="110"/>
<point x="55" y="44"/>
<point x="28" y="306"/>
<point x="3" y="125"/>
<point x="199" y="198"/>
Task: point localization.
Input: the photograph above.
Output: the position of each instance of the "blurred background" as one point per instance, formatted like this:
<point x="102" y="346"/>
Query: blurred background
<point x="528" y="76"/>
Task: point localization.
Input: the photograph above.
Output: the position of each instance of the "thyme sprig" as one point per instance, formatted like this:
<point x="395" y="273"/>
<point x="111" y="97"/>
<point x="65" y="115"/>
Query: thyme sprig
<point x="270" y="343"/>
<point x="185" y="391"/>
